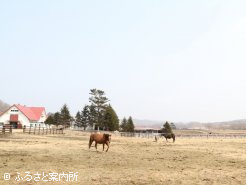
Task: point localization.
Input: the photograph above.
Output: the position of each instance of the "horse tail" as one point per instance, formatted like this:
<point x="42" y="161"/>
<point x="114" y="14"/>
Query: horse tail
<point x="90" y="141"/>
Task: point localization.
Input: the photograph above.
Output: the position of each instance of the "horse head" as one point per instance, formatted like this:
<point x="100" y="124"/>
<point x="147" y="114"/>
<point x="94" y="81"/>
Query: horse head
<point x="107" y="137"/>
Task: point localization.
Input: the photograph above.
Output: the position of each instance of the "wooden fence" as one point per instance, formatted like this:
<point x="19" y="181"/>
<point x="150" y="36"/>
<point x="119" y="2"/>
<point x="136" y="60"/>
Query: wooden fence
<point x="6" y="129"/>
<point x="225" y="136"/>
<point x="153" y="134"/>
<point x="206" y="136"/>
<point x="42" y="130"/>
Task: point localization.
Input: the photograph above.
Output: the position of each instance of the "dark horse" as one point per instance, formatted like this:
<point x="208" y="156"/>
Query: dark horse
<point x="169" y="136"/>
<point x="100" y="139"/>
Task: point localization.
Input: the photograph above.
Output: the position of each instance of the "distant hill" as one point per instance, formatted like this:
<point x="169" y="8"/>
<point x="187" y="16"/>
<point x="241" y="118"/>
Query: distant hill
<point x="234" y="124"/>
<point x="159" y="124"/>
<point x="147" y="123"/>
<point x="3" y="106"/>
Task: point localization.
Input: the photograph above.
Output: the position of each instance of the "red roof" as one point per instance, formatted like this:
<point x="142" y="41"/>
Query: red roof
<point x="32" y="113"/>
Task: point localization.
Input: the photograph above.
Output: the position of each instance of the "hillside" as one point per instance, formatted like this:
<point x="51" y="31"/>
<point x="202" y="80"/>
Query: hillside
<point x="234" y="124"/>
<point x="3" y="106"/>
<point x="139" y="123"/>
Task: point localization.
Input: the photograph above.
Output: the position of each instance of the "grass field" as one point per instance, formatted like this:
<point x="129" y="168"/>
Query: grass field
<point x="128" y="161"/>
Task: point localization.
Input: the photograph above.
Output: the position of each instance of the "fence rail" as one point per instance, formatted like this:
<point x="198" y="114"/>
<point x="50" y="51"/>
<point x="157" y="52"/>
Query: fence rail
<point x="6" y="129"/>
<point x="212" y="136"/>
<point x="42" y="130"/>
<point x="153" y="134"/>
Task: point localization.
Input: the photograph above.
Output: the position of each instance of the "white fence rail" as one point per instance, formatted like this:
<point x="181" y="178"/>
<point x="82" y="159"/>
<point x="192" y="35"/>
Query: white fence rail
<point x="153" y="134"/>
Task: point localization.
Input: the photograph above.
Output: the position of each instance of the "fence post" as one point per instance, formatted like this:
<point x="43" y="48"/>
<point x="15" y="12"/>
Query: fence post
<point x="10" y="129"/>
<point x="3" y="130"/>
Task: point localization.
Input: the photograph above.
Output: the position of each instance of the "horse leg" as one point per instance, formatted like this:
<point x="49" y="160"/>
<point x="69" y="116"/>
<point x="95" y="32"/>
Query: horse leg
<point x="156" y="139"/>
<point x="90" y="142"/>
<point x="107" y="146"/>
<point x="103" y="146"/>
<point x="96" y="145"/>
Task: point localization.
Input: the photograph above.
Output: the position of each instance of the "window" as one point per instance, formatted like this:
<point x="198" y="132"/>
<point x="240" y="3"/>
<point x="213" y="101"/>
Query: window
<point x="14" y="110"/>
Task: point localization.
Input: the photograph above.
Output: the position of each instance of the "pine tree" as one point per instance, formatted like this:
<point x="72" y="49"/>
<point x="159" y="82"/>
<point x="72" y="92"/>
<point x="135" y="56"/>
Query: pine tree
<point x="123" y="125"/>
<point x="167" y="128"/>
<point x="65" y="116"/>
<point x="92" y="120"/>
<point x="130" y="125"/>
<point x="50" y="120"/>
<point x="85" y="116"/>
<point x="78" y="119"/>
<point x="57" y="118"/>
<point x="172" y="125"/>
<point x="99" y="102"/>
<point x="111" y="121"/>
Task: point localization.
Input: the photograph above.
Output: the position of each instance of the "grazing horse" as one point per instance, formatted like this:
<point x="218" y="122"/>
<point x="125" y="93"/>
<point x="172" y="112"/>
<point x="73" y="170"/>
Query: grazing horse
<point x="169" y="136"/>
<point x="100" y="139"/>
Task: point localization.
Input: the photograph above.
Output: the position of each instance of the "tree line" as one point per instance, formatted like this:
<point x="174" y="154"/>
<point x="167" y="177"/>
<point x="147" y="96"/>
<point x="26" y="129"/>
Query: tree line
<point x="98" y="115"/>
<point x="62" y="117"/>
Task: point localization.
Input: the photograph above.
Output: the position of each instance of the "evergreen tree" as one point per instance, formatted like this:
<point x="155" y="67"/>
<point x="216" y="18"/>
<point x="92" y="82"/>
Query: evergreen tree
<point x="65" y="116"/>
<point x="50" y="120"/>
<point x="99" y="102"/>
<point x="92" y="120"/>
<point x="111" y="121"/>
<point x="85" y="117"/>
<point x="167" y="128"/>
<point x="173" y="126"/>
<point x="78" y="119"/>
<point x="123" y="125"/>
<point x="57" y="118"/>
<point x="130" y="125"/>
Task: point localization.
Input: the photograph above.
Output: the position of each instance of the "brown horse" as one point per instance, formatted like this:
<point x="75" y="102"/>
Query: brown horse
<point x="100" y="139"/>
<point x="169" y="136"/>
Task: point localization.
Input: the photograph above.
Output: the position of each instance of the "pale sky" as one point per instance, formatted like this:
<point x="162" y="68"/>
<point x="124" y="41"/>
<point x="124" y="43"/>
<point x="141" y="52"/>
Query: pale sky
<point x="159" y="60"/>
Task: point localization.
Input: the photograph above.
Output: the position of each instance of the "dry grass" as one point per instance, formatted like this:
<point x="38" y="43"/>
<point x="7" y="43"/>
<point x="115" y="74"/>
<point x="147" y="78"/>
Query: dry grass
<point x="128" y="161"/>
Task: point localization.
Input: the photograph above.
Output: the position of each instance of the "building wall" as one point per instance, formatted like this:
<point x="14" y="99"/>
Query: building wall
<point x="40" y="122"/>
<point x="4" y="118"/>
<point x="43" y="117"/>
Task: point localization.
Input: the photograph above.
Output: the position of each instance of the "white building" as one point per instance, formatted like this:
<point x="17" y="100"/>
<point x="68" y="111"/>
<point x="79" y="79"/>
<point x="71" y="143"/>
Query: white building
<point x="19" y="116"/>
